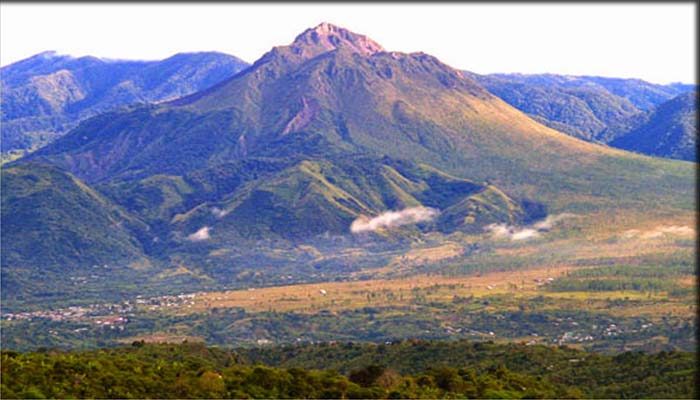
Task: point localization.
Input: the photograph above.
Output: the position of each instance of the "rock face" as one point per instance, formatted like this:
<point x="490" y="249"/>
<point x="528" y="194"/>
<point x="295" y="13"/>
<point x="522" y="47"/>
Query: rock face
<point x="326" y="37"/>
<point x="47" y="94"/>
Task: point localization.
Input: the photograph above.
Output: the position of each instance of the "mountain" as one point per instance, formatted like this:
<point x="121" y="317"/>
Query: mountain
<point x="644" y="95"/>
<point x="40" y="198"/>
<point x="591" y="108"/>
<point x="671" y="130"/>
<point x="332" y="93"/>
<point x="54" y="224"/>
<point x="46" y="95"/>
<point x="332" y="132"/>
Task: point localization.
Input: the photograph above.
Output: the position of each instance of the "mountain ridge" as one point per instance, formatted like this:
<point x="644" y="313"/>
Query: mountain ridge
<point x="670" y="131"/>
<point x="295" y="148"/>
<point x="47" y="94"/>
<point x="595" y="109"/>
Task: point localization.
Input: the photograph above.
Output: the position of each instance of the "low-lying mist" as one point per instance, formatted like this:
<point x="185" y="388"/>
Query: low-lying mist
<point x="512" y="232"/>
<point x="201" y="234"/>
<point x="392" y="219"/>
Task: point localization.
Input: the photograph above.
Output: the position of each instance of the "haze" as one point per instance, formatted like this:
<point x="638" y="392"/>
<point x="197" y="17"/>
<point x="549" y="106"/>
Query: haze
<point x="654" y="42"/>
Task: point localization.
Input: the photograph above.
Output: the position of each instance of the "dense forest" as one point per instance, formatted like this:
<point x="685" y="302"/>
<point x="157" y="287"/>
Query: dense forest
<point x="407" y="369"/>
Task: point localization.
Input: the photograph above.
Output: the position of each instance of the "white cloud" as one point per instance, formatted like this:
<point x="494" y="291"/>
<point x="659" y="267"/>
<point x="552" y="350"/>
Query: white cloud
<point x="512" y="232"/>
<point x="391" y="219"/>
<point x="550" y="221"/>
<point x="525" y="234"/>
<point x="200" y="235"/>
<point x="504" y="231"/>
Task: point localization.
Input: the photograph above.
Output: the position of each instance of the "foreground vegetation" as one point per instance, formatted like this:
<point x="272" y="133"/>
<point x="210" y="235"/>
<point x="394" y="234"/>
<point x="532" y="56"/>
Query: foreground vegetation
<point x="409" y="369"/>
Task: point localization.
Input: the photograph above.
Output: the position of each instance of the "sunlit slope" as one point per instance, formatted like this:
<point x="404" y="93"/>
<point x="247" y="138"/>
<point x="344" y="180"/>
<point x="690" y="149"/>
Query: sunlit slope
<point x="312" y="198"/>
<point x="314" y="100"/>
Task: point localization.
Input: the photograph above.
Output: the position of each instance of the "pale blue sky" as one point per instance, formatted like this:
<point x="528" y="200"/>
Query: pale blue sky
<point x="655" y="42"/>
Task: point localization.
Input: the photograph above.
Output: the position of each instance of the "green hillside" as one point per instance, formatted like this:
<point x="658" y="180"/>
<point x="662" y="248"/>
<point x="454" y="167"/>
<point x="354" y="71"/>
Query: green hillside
<point x="671" y="130"/>
<point x="604" y="110"/>
<point x="315" y="197"/>
<point x="37" y="204"/>
<point x="588" y="112"/>
<point x="55" y="226"/>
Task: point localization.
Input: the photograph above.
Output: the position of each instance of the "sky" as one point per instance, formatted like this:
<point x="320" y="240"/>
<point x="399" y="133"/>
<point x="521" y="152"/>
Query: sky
<point x="654" y="42"/>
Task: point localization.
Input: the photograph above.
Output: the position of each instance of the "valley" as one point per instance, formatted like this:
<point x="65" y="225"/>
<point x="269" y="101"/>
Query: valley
<point x="603" y="289"/>
<point x="341" y="220"/>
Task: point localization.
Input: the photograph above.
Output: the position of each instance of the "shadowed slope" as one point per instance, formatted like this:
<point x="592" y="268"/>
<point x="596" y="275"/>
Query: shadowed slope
<point x="671" y="130"/>
<point x="53" y="220"/>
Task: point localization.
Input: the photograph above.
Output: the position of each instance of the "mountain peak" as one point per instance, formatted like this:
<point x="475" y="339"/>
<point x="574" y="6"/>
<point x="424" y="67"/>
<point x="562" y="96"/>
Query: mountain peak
<point x="328" y="37"/>
<point x="46" y="54"/>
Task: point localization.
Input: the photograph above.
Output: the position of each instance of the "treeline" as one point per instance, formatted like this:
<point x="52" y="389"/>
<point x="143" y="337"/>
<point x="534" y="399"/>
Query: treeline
<point x="641" y="278"/>
<point x="410" y="369"/>
<point x="677" y="269"/>
<point x="611" y="285"/>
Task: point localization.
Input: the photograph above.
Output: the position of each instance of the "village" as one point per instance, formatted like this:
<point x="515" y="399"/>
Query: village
<point x="116" y="316"/>
<point x="105" y="314"/>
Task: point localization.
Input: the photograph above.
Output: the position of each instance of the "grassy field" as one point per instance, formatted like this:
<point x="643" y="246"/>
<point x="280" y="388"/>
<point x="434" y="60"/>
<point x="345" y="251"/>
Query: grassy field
<point x="518" y="287"/>
<point x="338" y="296"/>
